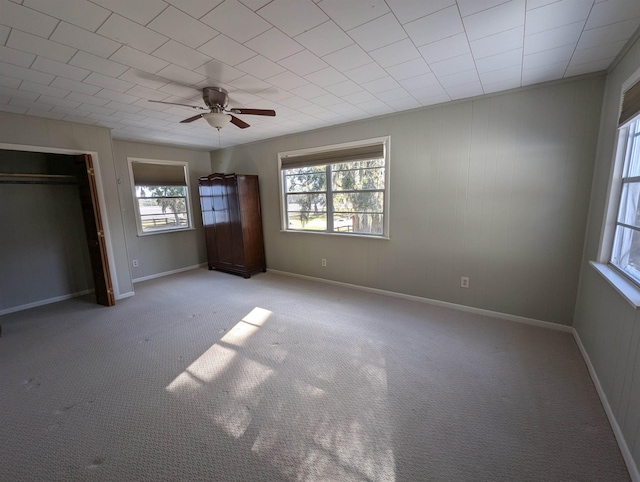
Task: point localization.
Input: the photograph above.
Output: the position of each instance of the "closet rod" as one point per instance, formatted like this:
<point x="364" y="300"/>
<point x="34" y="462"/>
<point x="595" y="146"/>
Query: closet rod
<point x="53" y="176"/>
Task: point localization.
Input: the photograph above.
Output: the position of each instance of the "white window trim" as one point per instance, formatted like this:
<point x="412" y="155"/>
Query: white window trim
<point x="136" y="208"/>
<point x="385" y="141"/>
<point x="624" y="286"/>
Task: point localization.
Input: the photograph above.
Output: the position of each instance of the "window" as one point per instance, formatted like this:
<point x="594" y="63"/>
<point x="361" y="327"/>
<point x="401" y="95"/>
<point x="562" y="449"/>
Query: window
<point x="161" y="194"/>
<point x="625" y="254"/>
<point x="338" y="189"/>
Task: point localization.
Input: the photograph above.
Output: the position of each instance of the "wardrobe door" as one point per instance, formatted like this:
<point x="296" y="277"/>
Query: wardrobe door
<point x="221" y="219"/>
<point x="235" y="222"/>
<point x="208" y="221"/>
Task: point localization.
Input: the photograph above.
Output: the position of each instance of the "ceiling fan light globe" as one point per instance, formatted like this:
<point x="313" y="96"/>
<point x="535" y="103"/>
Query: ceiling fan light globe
<point x="217" y="119"/>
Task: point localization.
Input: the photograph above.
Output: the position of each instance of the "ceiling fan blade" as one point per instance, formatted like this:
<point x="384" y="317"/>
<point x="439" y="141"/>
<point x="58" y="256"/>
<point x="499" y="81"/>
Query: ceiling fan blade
<point x="175" y="103"/>
<point x="238" y="122"/>
<point x="191" y="119"/>
<point x="268" y="112"/>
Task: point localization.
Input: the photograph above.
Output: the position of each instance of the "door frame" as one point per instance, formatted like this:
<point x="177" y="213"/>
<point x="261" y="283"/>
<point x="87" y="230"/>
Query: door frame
<point x="101" y="198"/>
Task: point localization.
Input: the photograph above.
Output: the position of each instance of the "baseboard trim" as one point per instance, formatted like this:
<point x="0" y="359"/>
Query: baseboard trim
<point x="168" y="273"/>
<point x="622" y="443"/>
<point x="444" y="304"/>
<point x="48" y="301"/>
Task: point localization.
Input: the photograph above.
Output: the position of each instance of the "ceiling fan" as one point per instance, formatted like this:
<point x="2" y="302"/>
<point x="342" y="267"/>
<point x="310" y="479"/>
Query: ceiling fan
<point x="217" y="99"/>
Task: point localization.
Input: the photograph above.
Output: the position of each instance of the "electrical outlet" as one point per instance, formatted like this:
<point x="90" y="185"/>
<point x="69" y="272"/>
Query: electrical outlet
<point x="464" y="282"/>
<point x="324" y="262"/>
<point x="135" y="263"/>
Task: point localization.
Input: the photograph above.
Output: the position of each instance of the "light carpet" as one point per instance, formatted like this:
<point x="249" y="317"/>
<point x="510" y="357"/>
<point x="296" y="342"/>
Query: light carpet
<point x="205" y="376"/>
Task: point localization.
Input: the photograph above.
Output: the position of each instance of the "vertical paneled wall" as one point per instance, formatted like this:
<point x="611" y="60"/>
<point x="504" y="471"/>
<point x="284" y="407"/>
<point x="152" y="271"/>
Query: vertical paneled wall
<point x="163" y="252"/>
<point x="43" y="247"/>
<point x="496" y="189"/>
<point x="607" y="325"/>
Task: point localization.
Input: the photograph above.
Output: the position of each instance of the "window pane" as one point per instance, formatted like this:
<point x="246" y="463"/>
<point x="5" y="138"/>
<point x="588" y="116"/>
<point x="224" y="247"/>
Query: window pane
<point x="361" y="223"/>
<point x="355" y="176"/>
<point x="307" y="221"/>
<point x="358" y="202"/>
<point x="307" y="211"/>
<point x="629" y="204"/>
<point x="161" y="191"/>
<point x="306" y="179"/>
<point x="633" y="152"/>
<point x="162" y="207"/>
<point x="626" y="251"/>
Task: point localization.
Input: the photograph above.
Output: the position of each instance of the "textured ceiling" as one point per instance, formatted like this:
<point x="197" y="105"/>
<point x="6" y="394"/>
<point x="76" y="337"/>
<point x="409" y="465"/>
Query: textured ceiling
<point x="317" y="63"/>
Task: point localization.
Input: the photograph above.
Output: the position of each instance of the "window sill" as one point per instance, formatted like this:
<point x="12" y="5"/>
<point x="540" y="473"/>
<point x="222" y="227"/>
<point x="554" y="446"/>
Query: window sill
<point x="622" y="285"/>
<point x="343" y="235"/>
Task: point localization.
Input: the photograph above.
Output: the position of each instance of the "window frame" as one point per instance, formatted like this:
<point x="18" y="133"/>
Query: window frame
<point x="136" y="206"/>
<point x="383" y="141"/>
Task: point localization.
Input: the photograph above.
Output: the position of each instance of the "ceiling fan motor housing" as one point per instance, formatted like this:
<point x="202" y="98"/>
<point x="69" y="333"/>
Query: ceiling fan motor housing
<point x="216" y="98"/>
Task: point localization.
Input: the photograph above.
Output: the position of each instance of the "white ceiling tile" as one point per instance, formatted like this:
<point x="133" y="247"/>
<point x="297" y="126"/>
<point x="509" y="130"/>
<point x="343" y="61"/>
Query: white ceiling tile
<point x="95" y="109"/>
<point x="609" y="33"/>
<point x="57" y="68"/>
<point x="498" y="43"/>
<point x="344" y="88"/>
<point x="176" y="53"/>
<point x="453" y="66"/>
<point x="20" y="72"/>
<point x="599" y="52"/>
<point x="469" y="7"/>
<point x="304" y="63"/>
<point x="557" y="37"/>
<point x="432" y="94"/>
<point x="181" y="91"/>
<point x="117" y="97"/>
<point x="77" y="88"/>
<point x="464" y="90"/>
<point x="461" y="78"/>
<point x="146" y="93"/>
<point x="409" y="69"/>
<point x="308" y="91"/>
<point x="383" y="84"/>
<point x="366" y="73"/>
<point x="326" y="77"/>
<point x="510" y="74"/>
<point x="408" y="10"/>
<point x="391" y="96"/>
<point x="500" y="61"/>
<point x="123" y="109"/>
<point x="612" y="11"/>
<point x="78" y="12"/>
<point x="27" y="20"/>
<point x="359" y="97"/>
<point x="327" y="100"/>
<point x="44" y="89"/>
<point x="139" y="60"/>
<point x="195" y="8"/>
<point x="39" y="46"/>
<point x="98" y="64"/>
<point x="556" y="15"/>
<point x="79" y="38"/>
<point x="587" y="67"/>
<point x="348" y="58"/>
<point x="532" y="4"/>
<point x="252" y="84"/>
<point x="255" y="4"/>
<point x="13" y="109"/>
<point x="438" y="25"/>
<point x="4" y="34"/>
<point x="274" y="45"/>
<point x="501" y="86"/>
<point x="18" y="94"/>
<point x="293" y="17"/>
<point x="406" y="103"/>
<point x="552" y="56"/>
<point x="419" y="82"/>
<point x="275" y="95"/>
<point x="16" y="57"/>
<point x="70" y="104"/>
<point x="10" y="82"/>
<point x="378" y="33"/>
<point x="375" y="107"/>
<point x="140" y="11"/>
<point x="107" y="82"/>
<point x="446" y="48"/>
<point x="126" y="32"/>
<point x="494" y="20"/>
<point x="287" y="80"/>
<point x="546" y="72"/>
<point x="351" y="14"/>
<point x="219" y="71"/>
<point x="87" y="99"/>
<point x="226" y="50"/>
<point x="325" y="39"/>
<point x="395" y="53"/>
<point x="260" y="67"/>
<point x="236" y="21"/>
<point x="182" y="27"/>
<point x="295" y="103"/>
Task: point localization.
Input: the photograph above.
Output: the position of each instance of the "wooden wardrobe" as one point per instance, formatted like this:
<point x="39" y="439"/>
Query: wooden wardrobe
<point x="232" y="223"/>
